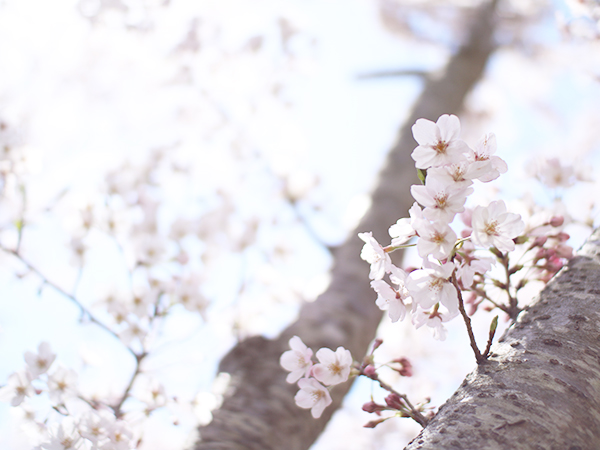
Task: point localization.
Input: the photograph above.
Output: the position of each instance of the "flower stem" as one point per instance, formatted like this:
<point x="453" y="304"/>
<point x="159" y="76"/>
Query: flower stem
<point x="461" y="307"/>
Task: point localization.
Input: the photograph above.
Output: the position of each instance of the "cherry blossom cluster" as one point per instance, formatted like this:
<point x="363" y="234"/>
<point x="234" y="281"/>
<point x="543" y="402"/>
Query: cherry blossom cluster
<point x="92" y="427"/>
<point x="488" y="257"/>
<point x="449" y="167"/>
<point x="334" y="367"/>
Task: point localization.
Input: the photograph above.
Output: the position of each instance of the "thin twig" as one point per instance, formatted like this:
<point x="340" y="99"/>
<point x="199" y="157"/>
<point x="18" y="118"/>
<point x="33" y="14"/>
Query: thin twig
<point x="82" y="308"/>
<point x="410" y="411"/>
<point x="461" y="307"/>
<point x="138" y="368"/>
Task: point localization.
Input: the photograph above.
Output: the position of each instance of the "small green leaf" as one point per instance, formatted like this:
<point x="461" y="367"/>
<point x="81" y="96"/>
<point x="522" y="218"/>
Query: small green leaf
<point x="422" y="174"/>
<point x="494" y="325"/>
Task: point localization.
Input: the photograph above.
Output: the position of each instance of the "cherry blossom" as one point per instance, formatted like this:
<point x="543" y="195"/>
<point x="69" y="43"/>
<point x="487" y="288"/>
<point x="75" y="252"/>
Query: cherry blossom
<point x="493" y="226"/>
<point x="135" y="330"/>
<point x="18" y="387"/>
<point x="39" y="363"/>
<point x="374" y="254"/>
<point x="63" y="436"/>
<point x="396" y="302"/>
<point x="313" y="395"/>
<point x="333" y="367"/>
<point x="120" y="436"/>
<point x="466" y="271"/>
<point x="442" y="201"/>
<point x="62" y="384"/>
<point x="94" y="426"/>
<point x="404" y="229"/>
<point x="457" y="173"/>
<point x="485" y="165"/>
<point x="439" y="142"/>
<point x="297" y="360"/>
<point x="152" y="393"/>
<point x="431" y="285"/>
<point x="436" y="239"/>
<point x="140" y="303"/>
<point x="435" y="321"/>
<point x="401" y="232"/>
<point x="189" y="293"/>
<point x="553" y="172"/>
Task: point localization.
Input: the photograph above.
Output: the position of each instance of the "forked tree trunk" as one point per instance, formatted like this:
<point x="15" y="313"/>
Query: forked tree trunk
<point x="260" y="413"/>
<point x="541" y="389"/>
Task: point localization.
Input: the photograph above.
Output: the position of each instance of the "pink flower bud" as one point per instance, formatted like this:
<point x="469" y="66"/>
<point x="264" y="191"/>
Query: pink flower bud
<point x="557" y="221"/>
<point x="373" y="423"/>
<point x="394" y="401"/>
<point x="564" y="251"/>
<point x="377" y="344"/>
<point x="406" y="367"/>
<point x="540" y="241"/>
<point x="372" y="407"/>
<point x="370" y="372"/>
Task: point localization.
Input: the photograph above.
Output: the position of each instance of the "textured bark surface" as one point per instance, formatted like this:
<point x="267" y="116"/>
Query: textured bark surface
<point x="260" y="413"/>
<point x="541" y="389"/>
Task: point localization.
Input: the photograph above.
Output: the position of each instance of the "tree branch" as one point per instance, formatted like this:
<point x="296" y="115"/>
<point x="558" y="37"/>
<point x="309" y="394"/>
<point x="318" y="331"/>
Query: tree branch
<point x="540" y="388"/>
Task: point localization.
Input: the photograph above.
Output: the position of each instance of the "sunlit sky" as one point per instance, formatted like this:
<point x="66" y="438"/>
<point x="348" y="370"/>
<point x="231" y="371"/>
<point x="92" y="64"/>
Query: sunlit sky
<point x="87" y="97"/>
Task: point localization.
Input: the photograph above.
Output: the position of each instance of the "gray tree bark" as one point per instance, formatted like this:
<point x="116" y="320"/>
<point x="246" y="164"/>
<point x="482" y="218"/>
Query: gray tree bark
<point x="260" y="413"/>
<point x="541" y="388"/>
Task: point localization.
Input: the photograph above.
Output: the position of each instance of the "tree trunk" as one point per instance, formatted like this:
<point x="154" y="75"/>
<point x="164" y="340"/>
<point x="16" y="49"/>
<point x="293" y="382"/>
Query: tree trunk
<point x="541" y="388"/>
<point x="260" y="413"/>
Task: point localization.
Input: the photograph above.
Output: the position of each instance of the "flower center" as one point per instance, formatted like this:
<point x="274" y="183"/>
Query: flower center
<point x="491" y="228"/>
<point x="441" y="200"/>
<point x="438" y="237"/>
<point x="317" y="395"/>
<point x="436" y="284"/>
<point x="334" y="369"/>
<point x="441" y="147"/>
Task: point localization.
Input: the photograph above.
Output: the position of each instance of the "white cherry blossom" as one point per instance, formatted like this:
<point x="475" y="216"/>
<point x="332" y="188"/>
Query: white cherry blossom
<point x="436" y="239"/>
<point x="120" y="436"/>
<point x="401" y="232"/>
<point x="485" y="165"/>
<point x="439" y="142"/>
<point x="396" y="302"/>
<point x="63" y="436"/>
<point x="333" y="367"/>
<point x="493" y="226"/>
<point x="313" y="395"/>
<point x="457" y="173"/>
<point x="374" y="254"/>
<point x="94" y="425"/>
<point x="442" y="201"/>
<point x="431" y="285"/>
<point x="62" y="384"/>
<point x="435" y="321"/>
<point x="39" y="363"/>
<point x="404" y="229"/>
<point x="553" y="172"/>
<point x="17" y="387"/>
<point x="151" y="392"/>
<point x="466" y="271"/>
<point x="297" y="360"/>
